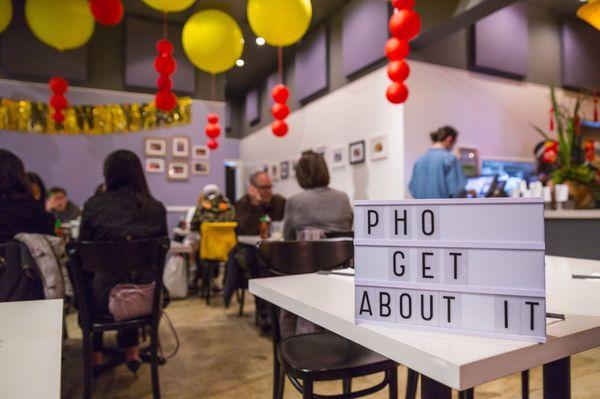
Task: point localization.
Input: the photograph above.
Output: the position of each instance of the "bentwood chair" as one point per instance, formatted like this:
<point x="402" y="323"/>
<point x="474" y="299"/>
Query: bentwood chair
<point x="322" y="356"/>
<point x="117" y="259"/>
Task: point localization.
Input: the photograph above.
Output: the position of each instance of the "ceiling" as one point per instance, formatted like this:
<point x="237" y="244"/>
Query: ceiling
<point x="260" y="61"/>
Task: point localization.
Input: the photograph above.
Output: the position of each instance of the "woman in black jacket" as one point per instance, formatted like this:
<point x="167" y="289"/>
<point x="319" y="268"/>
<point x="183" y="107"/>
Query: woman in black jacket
<point x="19" y="211"/>
<point x="126" y="210"/>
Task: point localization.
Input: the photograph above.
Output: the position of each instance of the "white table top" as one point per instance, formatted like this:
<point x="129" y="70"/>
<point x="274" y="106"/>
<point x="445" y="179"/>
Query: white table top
<point x="572" y="214"/>
<point x="249" y="240"/>
<point x="30" y="349"/>
<point x="457" y="361"/>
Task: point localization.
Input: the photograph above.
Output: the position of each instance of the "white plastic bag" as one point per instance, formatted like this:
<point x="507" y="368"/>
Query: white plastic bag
<point x="175" y="277"/>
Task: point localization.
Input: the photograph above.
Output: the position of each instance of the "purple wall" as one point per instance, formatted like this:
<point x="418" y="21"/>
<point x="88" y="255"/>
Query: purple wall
<point x="364" y="34"/>
<point x="75" y="162"/>
<point x="252" y="114"/>
<point x="311" y="65"/>
<point x="501" y="41"/>
<point x="580" y="55"/>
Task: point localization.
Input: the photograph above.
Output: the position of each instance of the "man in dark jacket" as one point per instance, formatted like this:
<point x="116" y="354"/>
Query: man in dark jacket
<point x="258" y="202"/>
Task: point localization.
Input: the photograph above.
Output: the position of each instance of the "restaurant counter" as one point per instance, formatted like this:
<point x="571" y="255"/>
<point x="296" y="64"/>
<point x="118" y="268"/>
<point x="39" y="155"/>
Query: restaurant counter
<point x="573" y="233"/>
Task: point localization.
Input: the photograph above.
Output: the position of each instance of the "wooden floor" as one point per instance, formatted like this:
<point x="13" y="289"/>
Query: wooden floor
<point x="223" y="356"/>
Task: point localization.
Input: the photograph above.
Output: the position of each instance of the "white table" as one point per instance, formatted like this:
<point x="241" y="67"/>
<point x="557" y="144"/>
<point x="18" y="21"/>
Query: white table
<point x="456" y="361"/>
<point x="249" y="240"/>
<point x="30" y="349"/>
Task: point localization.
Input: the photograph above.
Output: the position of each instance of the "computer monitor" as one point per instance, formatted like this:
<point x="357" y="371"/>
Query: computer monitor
<point x="510" y="174"/>
<point x="482" y="186"/>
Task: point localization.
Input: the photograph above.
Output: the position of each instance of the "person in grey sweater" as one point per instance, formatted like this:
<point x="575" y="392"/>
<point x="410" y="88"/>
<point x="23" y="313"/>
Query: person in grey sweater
<point x="319" y="209"/>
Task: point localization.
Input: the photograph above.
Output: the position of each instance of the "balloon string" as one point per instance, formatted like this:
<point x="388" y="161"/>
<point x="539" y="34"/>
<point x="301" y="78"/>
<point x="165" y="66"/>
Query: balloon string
<point x="213" y="86"/>
<point x="280" y="63"/>
<point x="165" y="26"/>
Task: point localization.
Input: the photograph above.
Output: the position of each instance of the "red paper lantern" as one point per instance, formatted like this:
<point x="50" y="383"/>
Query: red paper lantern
<point x="164" y="83"/>
<point x="58" y="85"/>
<point x="212" y="130"/>
<point x="398" y="71"/>
<point x="166" y="100"/>
<point x="212" y="144"/>
<point x="280" y="93"/>
<point x="280" y="111"/>
<point x="58" y="102"/>
<point x="397" y="93"/>
<point x="396" y="49"/>
<point x="165" y="64"/>
<point x="212" y="118"/>
<point x="402" y="4"/>
<point x="107" y="12"/>
<point x="163" y="46"/>
<point x="405" y="24"/>
<point x="58" y="116"/>
<point x="280" y="128"/>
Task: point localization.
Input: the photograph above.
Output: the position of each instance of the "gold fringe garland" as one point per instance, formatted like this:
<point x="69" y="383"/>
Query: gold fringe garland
<point x="27" y="116"/>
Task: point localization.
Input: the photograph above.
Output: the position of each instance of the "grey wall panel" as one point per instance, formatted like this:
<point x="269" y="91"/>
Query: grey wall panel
<point x="364" y="33"/>
<point x="311" y="65"/>
<point x="252" y="107"/>
<point x="141" y="38"/>
<point x="502" y="41"/>
<point x="580" y="55"/>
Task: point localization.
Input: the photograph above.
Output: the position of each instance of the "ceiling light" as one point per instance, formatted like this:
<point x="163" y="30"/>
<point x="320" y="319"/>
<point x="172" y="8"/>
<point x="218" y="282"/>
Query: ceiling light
<point x="240" y="62"/>
<point x="260" y="41"/>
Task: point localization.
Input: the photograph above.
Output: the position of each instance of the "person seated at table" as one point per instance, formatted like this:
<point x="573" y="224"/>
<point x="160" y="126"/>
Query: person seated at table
<point x="258" y="202"/>
<point x="212" y="206"/>
<point x="38" y="188"/>
<point x="319" y="209"/>
<point x="125" y="211"/>
<point x="19" y="211"/>
<point x="59" y="205"/>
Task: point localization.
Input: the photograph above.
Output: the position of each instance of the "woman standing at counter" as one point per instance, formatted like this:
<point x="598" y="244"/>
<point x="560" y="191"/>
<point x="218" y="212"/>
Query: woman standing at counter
<point x="438" y="174"/>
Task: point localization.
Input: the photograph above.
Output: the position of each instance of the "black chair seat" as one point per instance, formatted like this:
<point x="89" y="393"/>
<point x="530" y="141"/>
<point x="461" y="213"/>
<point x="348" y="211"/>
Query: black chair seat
<point x="108" y="323"/>
<point x="326" y="356"/>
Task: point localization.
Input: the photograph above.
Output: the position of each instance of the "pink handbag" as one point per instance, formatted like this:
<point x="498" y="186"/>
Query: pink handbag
<point x="128" y="301"/>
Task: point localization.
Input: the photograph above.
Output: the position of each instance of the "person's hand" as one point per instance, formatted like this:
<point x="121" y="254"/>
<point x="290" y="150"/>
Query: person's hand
<point x="50" y="204"/>
<point x="254" y="195"/>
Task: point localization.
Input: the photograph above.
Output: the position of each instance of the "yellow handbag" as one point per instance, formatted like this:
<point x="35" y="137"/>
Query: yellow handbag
<point x="217" y="239"/>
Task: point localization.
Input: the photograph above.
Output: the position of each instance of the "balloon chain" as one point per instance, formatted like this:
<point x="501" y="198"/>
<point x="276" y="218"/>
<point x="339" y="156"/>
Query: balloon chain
<point x="165" y="25"/>
<point x="280" y="63"/>
<point x="213" y="86"/>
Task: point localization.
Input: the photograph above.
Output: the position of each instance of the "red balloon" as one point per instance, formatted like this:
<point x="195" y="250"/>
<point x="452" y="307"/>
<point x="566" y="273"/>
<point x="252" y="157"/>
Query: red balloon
<point x="212" y="130"/>
<point x="165" y="64"/>
<point x="397" y="93"/>
<point x="280" y="111"/>
<point x="212" y="144"/>
<point x="58" y="85"/>
<point x="280" y="93"/>
<point x="58" y="116"/>
<point x="163" y="46"/>
<point x="166" y="100"/>
<point x="107" y="12"/>
<point x="402" y="4"/>
<point x="280" y="128"/>
<point x="398" y="71"/>
<point x="58" y="102"/>
<point x="164" y="83"/>
<point x="405" y="24"/>
<point x="396" y="49"/>
<point x="212" y="118"/>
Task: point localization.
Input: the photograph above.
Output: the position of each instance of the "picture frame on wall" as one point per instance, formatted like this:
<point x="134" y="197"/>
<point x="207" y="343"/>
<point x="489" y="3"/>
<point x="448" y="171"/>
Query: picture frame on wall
<point x="378" y="148"/>
<point x="293" y="167"/>
<point x="200" y="152"/>
<point x="338" y="157"/>
<point x="178" y="171"/>
<point x="284" y="170"/>
<point x="155" y="165"/>
<point x="275" y="172"/>
<point x="321" y="150"/>
<point x="155" y="147"/>
<point x="181" y="147"/>
<point x="356" y="153"/>
<point x="200" y="168"/>
<point x="468" y="158"/>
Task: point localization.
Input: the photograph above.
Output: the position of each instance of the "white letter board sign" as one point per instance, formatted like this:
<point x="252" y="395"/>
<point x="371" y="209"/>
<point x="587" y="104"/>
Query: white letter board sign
<point x="465" y="266"/>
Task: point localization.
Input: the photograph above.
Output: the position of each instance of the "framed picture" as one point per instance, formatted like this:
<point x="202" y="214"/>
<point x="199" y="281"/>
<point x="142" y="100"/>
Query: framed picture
<point x="181" y="147"/>
<point x="469" y="161"/>
<point x="265" y="168"/>
<point x="155" y="147"/>
<point x="378" y="148"/>
<point x="155" y="165"/>
<point x="275" y="172"/>
<point x="357" y="152"/>
<point x="178" y="171"/>
<point x="322" y="149"/>
<point x="338" y="157"/>
<point x="293" y="167"/>
<point x="284" y="170"/>
<point x="200" y="152"/>
<point x="200" y="168"/>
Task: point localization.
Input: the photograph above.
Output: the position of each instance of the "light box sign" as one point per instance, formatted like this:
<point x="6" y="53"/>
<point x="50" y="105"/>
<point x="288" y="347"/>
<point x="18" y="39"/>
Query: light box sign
<point x="461" y="266"/>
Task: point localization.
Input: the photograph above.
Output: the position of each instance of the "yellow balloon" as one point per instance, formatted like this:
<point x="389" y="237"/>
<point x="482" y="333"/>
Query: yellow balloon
<point x="280" y="22"/>
<point x="62" y="24"/>
<point x="212" y="40"/>
<point x="169" y="5"/>
<point x="6" y="11"/>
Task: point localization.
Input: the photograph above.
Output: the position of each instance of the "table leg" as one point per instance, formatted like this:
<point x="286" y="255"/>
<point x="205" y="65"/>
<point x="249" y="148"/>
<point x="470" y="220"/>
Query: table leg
<point x="557" y="379"/>
<point x="431" y="389"/>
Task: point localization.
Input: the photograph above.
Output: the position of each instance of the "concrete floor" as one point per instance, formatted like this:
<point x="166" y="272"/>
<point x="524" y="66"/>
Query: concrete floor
<point x="223" y="356"/>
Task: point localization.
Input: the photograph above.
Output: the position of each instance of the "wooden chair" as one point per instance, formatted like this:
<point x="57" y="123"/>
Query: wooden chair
<point x="116" y="259"/>
<point x="322" y="356"/>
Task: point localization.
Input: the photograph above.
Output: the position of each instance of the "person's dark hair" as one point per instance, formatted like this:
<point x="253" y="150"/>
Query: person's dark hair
<point x="442" y="133"/>
<point x="57" y="190"/>
<point x="312" y="171"/>
<point x="123" y="169"/>
<point x="13" y="180"/>
<point x="34" y="178"/>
